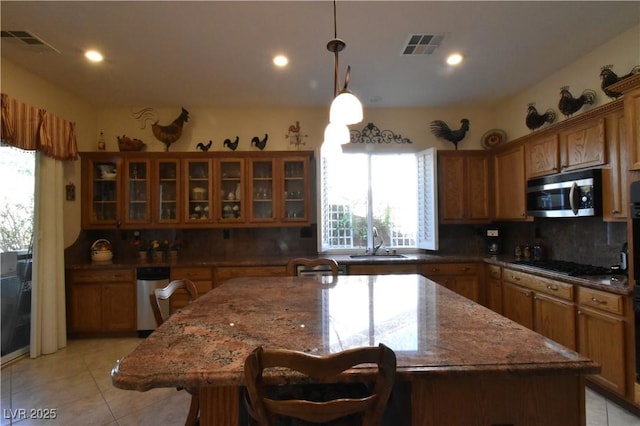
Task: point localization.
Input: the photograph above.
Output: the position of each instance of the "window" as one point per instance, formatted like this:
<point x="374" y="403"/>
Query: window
<point x="385" y="200"/>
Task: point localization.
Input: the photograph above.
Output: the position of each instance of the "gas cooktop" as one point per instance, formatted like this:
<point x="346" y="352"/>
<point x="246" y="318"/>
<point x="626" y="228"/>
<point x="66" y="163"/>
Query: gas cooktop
<point x="568" y="268"/>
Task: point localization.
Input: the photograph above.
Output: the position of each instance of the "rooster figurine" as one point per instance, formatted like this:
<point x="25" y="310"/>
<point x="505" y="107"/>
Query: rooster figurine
<point x="609" y="77"/>
<point x="568" y="105"/>
<point x="203" y="147"/>
<point x="535" y="120"/>
<point x="165" y="134"/>
<point x="231" y="145"/>
<point x="441" y="130"/>
<point x="260" y="143"/>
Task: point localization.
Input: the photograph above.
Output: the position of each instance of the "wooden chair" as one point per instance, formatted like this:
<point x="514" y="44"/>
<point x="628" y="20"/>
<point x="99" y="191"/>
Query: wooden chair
<point x="164" y="294"/>
<point x="319" y="266"/>
<point x="265" y="410"/>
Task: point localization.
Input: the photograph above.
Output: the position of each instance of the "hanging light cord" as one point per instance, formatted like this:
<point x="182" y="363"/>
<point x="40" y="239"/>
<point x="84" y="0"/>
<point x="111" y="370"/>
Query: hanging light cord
<point x="335" y="46"/>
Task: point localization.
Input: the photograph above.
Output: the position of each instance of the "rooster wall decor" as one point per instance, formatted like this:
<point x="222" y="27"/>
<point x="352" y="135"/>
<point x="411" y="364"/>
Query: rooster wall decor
<point x="535" y="120"/>
<point x="166" y="134"/>
<point x="568" y="105"/>
<point x="441" y="130"/>
<point x="203" y="147"/>
<point x="260" y="143"/>
<point x="231" y="145"/>
<point x="609" y="77"/>
<point x="295" y="136"/>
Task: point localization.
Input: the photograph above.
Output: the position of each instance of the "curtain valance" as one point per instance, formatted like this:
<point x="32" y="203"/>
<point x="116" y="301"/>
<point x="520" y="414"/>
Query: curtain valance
<point x="31" y="128"/>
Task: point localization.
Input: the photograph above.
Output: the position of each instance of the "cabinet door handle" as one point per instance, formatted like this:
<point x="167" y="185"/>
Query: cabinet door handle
<point x="435" y="269"/>
<point x="596" y="300"/>
<point x="526" y="293"/>
<point x="552" y="287"/>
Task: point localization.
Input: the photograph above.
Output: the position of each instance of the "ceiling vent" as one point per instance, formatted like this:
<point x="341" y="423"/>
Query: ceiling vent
<point x="27" y="40"/>
<point x="422" y="44"/>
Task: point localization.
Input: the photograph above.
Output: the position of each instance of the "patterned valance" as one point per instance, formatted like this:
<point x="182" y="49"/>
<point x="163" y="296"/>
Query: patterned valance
<point x="31" y="128"/>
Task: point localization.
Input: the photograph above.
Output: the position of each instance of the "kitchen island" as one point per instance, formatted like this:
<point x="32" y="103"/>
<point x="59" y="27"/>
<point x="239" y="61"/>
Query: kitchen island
<point x="461" y="363"/>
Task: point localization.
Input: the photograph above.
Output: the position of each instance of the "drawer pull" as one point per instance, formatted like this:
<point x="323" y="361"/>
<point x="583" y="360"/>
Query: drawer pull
<point x="552" y="287"/>
<point x="435" y="269"/>
<point x="515" y="277"/>
<point x="596" y="300"/>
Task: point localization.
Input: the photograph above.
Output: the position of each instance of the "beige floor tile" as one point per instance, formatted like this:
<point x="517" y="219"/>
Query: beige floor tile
<point x="54" y="394"/>
<point x="596" y="409"/>
<point x="92" y="410"/>
<point x="617" y="416"/>
<point x="125" y="402"/>
<point x="171" y="411"/>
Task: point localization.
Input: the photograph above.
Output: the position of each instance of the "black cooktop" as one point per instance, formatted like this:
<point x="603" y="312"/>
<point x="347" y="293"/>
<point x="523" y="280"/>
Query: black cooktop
<point x="568" y="268"/>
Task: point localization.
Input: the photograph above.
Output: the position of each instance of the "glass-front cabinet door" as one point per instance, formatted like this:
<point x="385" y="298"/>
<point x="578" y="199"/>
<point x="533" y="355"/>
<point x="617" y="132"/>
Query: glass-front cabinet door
<point x="296" y="190"/>
<point x="262" y="190"/>
<point x="230" y="178"/>
<point x="168" y="192"/>
<point x="103" y="177"/>
<point x="198" y="208"/>
<point x="137" y="191"/>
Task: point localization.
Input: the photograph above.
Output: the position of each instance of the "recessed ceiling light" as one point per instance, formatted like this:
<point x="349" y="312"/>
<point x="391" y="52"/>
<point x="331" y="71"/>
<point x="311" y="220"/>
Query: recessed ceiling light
<point x="454" y="59"/>
<point x="280" y="60"/>
<point x="93" y="56"/>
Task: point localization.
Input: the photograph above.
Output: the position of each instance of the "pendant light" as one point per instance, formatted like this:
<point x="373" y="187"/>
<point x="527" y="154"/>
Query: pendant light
<point x="345" y="108"/>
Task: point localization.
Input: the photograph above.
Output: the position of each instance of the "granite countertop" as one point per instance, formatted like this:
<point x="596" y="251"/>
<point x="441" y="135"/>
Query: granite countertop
<point x="432" y="330"/>
<point x="618" y="285"/>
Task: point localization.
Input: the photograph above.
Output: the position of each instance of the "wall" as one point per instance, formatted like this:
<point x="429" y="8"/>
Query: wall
<point x="218" y="124"/>
<point x="623" y="52"/>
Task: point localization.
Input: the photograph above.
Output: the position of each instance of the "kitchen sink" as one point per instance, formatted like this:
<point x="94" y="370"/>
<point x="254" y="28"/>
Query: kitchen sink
<point x="378" y="256"/>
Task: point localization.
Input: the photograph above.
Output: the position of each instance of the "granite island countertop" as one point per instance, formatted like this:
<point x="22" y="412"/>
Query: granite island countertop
<point x="433" y="331"/>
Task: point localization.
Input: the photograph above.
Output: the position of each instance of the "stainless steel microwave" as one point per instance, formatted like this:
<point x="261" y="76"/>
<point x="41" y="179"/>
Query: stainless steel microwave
<point x="566" y="195"/>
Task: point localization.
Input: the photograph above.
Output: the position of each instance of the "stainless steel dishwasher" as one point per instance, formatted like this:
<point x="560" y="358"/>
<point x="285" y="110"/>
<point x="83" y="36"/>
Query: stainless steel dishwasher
<point x="148" y="279"/>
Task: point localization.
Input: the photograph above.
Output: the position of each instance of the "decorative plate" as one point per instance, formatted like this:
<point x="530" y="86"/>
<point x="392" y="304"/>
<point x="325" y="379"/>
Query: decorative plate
<point x="493" y="138"/>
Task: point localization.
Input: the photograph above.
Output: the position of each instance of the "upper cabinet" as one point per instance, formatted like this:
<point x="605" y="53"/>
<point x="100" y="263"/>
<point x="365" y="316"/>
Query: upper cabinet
<point x="192" y="190"/>
<point x="510" y="183"/>
<point x="542" y="156"/>
<point x="630" y="88"/>
<point x="583" y="145"/>
<point x="464" y="178"/>
<point x="101" y="194"/>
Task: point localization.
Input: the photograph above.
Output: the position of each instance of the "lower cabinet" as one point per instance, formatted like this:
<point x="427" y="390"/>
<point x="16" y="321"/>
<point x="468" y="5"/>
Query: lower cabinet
<point x="224" y="273"/>
<point x="541" y="304"/>
<point x="101" y="301"/>
<point x="493" y="288"/>
<point x="602" y="336"/>
<point x="462" y="278"/>
<point x="202" y="277"/>
<point x="382" y="269"/>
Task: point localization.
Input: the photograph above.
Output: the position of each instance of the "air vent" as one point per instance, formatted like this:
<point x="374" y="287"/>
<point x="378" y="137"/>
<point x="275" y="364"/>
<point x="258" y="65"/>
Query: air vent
<point x="27" y="40"/>
<point x="422" y="44"/>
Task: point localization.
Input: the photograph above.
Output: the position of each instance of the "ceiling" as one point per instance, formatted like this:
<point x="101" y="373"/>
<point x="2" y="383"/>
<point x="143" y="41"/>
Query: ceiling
<point x="218" y="53"/>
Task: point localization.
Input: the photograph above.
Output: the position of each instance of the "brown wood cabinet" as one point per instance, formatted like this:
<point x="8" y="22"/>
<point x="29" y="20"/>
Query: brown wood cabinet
<point x="542" y="304"/>
<point x="583" y="145"/>
<point x="615" y="185"/>
<point x="101" y="302"/>
<point x="202" y="277"/>
<point x="542" y="156"/>
<point x="462" y="278"/>
<point x="133" y="190"/>
<point x="493" y="288"/>
<point x="630" y="88"/>
<point x="510" y="184"/>
<point x="224" y="273"/>
<point x="383" y="269"/>
<point x="464" y="182"/>
<point x="601" y="337"/>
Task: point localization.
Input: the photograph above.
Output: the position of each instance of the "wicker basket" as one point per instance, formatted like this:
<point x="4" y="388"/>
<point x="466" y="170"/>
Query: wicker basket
<point x="128" y="144"/>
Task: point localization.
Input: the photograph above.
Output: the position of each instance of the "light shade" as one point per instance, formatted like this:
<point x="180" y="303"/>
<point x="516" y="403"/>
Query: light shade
<point x="336" y="133"/>
<point x="345" y="109"/>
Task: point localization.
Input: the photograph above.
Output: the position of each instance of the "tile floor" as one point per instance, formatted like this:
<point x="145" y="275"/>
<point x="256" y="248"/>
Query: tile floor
<point x="75" y="382"/>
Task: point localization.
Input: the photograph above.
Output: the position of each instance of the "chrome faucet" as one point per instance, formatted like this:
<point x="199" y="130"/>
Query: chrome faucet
<point x="376" y="247"/>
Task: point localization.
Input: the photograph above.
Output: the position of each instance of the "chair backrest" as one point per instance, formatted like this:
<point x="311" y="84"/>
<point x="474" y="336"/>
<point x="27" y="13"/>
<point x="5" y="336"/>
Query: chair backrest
<point x="166" y="292"/>
<point x="322" y="368"/>
<point x="319" y="266"/>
